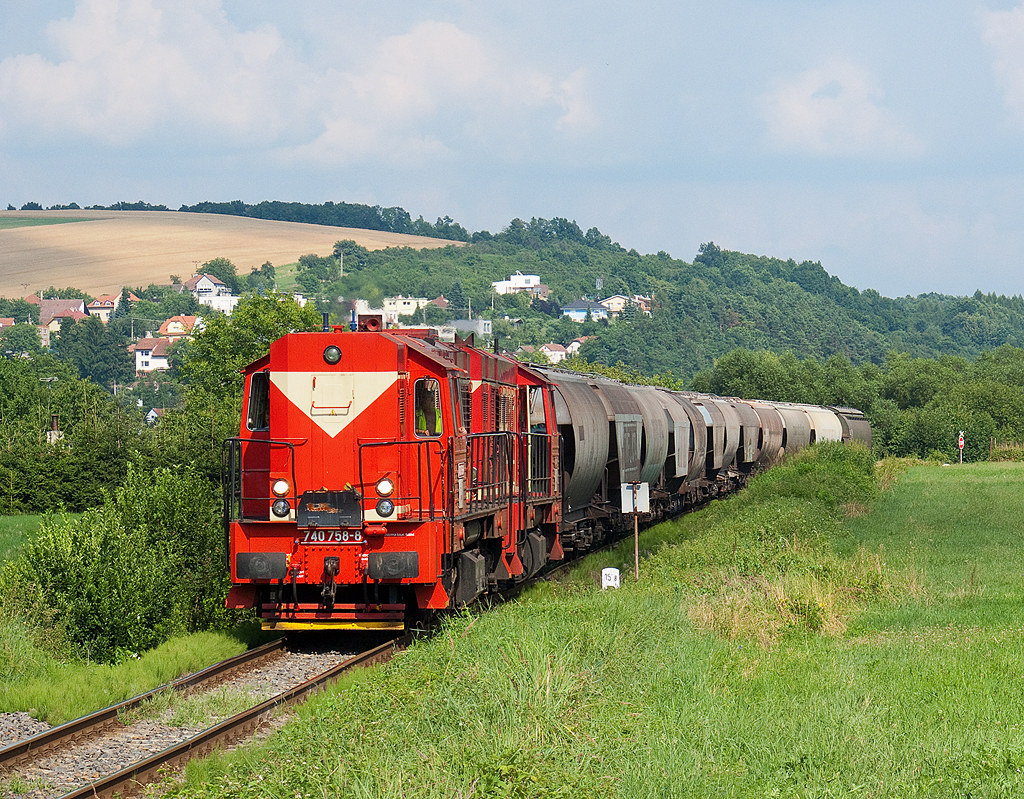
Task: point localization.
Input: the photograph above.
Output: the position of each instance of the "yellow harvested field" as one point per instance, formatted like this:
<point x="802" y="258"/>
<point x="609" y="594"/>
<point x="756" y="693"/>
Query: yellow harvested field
<point x="111" y="249"/>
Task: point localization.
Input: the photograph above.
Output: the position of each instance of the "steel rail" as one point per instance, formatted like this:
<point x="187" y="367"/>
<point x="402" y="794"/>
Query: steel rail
<point x="132" y="778"/>
<point x="11" y="756"/>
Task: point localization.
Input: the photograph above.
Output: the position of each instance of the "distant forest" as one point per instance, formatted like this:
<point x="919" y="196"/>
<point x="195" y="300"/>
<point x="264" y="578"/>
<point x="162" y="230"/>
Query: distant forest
<point x="354" y="215"/>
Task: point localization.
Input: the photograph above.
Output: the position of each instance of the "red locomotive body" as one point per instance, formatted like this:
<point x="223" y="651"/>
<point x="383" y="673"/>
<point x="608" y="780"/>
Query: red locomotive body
<point x="380" y="472"/>
<point x="384" y="472"/>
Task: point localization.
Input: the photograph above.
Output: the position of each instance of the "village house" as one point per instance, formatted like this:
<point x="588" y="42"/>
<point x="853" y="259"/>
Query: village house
<point x="521" y="283"/>
<point x="573" y="347"/>
<point x="178" y="327"/>
<point x="478" y="327"/>
<point x="53" y="312"/>
<point x="402" y="306"/>
<point x="555" y="353"/>
<point x="577" y="311"/>
<point x="211" y="291"/>
<point x="103" y="307"/>
<point x="151" y="354"/>
<point x="617" y="303"/>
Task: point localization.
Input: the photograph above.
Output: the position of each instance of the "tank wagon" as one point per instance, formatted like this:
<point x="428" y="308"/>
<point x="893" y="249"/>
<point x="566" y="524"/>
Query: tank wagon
<point x="383" y="473"/>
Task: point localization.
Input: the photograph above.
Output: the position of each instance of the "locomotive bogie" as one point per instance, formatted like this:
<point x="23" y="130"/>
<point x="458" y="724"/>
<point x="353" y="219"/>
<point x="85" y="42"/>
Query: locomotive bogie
<point x="378" y="475"/>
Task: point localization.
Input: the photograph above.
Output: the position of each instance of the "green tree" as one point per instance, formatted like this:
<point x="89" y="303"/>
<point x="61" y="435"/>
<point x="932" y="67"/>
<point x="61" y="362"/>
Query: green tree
<point x="67" y="293"/>
<point x="19" y="310"/>
<point x="124" y="305"/>
<point x="352" y="257"/>
<point x="96" y="351"/>
<point x="456" y="296"/>
<point x="213" y="358"/>
<point x="261" y="279"/>
<point x="224" y="270"/>
<point x="20" y="339"/>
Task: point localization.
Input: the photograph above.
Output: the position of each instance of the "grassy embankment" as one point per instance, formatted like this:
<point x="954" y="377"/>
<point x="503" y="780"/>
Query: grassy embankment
<point x="284" y="277"/>
<point x="806" y="638"/>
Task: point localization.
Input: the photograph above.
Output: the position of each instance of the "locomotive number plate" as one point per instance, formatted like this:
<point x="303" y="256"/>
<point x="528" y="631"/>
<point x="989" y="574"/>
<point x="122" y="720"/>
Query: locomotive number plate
<point x="331" y="537"/>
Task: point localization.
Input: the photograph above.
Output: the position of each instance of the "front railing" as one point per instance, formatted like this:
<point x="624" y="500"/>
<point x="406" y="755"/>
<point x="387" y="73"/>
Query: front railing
<point x="418" y="497"/>
<point x="240" y="504"/>
<point x="492" y="470"/>
<point x="506" y="467"/>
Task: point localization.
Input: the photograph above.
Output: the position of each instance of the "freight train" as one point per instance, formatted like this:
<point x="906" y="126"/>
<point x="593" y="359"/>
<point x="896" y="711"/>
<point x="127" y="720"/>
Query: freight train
<point x="380" y="474"/>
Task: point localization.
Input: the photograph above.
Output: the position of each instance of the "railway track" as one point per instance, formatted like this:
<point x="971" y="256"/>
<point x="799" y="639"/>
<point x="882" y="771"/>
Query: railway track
<point x="98" y="755"/>
<point x="45" y="765"/>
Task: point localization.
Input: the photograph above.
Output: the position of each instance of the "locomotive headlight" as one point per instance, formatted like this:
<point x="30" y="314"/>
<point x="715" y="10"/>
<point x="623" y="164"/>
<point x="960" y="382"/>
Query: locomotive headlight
<point x="281" y="507"/>
<point x="385" y="487"/>
<point x="332" y="355"/>
<point x="280" y="488"/>
<point x="385" y="507"/>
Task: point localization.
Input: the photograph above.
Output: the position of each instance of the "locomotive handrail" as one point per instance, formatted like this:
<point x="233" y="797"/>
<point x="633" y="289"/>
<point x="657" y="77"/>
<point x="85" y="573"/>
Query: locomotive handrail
<point x="421" y="445"/>
<point x="492" y="476"/>
<point x="234" y="487"/>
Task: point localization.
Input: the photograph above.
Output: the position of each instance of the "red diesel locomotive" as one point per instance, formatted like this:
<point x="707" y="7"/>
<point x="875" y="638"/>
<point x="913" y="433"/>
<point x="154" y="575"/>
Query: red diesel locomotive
<point x="380" y="473"/>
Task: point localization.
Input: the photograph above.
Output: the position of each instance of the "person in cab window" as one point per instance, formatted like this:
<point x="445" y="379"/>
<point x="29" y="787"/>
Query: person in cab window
<point x="428" y="415"/>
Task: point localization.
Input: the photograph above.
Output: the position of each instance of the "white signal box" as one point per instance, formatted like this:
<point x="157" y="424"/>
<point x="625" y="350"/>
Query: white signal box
<point x="636" y="497"/>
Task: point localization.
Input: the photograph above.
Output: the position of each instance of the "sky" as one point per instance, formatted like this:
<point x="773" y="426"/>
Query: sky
<point x="884" y="140"/>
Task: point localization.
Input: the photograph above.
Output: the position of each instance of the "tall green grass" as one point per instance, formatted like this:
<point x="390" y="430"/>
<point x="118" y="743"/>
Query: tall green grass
<point x="56" y="691"/>
<point x="860" y="658"/>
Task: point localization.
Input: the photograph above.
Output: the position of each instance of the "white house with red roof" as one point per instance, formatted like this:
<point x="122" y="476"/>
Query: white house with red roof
<point x="555" y="353"/>
<point x="151" y="354"/>
<point x="103" y="307"/>
<point x="213" y="292"/>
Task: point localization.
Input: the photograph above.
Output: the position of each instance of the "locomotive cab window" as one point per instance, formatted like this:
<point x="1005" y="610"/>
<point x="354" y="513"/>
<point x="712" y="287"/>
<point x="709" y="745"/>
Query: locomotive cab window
<point x="538" y="423"/>
<point x="427" y="407"/>
<point x="258" y="414"/>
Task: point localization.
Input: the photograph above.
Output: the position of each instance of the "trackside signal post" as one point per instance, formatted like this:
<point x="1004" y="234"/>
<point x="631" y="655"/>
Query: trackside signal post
<point x="960" y="443"/>
<point x="636" y="499"/>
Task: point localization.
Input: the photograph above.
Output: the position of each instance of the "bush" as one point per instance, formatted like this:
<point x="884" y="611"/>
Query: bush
<point x="126" y="576"/>
<point x="110" y="586"/>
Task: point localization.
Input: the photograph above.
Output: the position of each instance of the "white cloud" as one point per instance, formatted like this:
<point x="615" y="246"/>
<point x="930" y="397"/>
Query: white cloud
<point x="130" y="72"/>
<point x="834" y="110"/>
<point x="127" y="69"/>
<point x="438" y="90"/>
<point x="1003" y="33"/>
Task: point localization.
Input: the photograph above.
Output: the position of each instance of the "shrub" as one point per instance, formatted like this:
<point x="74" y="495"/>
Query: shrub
<point x="110" y="586"/>
<point x="124" y="577"/>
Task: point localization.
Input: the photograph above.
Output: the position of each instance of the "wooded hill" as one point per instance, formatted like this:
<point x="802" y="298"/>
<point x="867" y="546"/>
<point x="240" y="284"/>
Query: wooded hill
<point x="721" y="301"/>
<point x="703" y="309"/>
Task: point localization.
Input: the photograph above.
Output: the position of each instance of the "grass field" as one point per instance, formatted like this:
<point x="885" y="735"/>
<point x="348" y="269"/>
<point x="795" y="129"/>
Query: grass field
<point x="802" y="640"/>
<point x="105" y="250"/>
<point x="13" y="530"/>
<point x="12" y="222"/>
